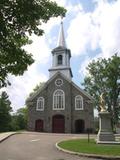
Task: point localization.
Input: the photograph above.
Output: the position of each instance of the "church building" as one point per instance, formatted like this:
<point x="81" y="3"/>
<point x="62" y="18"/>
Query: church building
<point x="60" y="106"/>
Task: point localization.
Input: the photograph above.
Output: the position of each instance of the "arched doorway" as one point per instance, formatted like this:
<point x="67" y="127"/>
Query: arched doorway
<point x="39" y="125"/>
<point x="58" y="124"/>
<point x="79" y="126"/>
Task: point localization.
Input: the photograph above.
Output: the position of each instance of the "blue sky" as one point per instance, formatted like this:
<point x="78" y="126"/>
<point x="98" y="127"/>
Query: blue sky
<point x="92" y="30"/>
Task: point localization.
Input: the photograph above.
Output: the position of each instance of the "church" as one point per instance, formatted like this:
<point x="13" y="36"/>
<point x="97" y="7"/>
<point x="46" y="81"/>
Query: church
<point x="60" y="106"/>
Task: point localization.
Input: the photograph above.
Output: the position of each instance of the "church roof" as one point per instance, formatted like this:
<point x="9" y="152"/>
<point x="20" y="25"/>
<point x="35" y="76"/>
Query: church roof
<point x="53" y="77"/>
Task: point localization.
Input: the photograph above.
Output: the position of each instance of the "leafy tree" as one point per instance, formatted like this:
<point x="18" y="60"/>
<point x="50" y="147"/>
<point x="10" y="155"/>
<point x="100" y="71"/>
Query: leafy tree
<point x="19" y="119"/>
<point x="103" y="77"/>
<point x="5" y="110"/>
<point x="37" y="87"/>
<point x="22" y="114"/>
<point x="18" y="19"/>
<point x="14" y="124"/>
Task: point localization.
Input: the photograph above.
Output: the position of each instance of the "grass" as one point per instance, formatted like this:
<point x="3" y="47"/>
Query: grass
<point x="82" y="146"/>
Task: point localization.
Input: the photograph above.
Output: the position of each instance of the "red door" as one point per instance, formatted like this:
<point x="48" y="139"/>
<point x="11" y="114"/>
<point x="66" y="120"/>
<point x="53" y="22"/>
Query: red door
<point x="58" y="124"/>
<point x="39" y="125"/>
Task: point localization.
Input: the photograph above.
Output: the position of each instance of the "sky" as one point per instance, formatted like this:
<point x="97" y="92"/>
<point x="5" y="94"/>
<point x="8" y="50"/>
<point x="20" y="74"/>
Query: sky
<point x="92" y="30"/>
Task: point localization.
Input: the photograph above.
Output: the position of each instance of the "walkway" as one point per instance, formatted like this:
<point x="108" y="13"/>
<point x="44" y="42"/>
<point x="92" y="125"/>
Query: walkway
<point x="36" y="146"/>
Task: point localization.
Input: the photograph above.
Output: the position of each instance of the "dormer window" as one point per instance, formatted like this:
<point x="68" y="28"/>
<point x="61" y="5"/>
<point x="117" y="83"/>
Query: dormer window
<point x="60" y="59"/>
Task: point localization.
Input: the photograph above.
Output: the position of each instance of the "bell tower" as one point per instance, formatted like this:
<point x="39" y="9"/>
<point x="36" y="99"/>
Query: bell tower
<point x="61" y="57"/>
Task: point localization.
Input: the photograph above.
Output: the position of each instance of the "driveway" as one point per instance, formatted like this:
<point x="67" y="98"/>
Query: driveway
<point x="36" y="146"/>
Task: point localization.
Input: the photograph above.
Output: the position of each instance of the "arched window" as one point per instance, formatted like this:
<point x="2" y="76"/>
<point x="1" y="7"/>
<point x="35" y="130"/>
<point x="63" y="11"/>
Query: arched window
<point x="60" y="59"/>
<point x="58" y="100"/>
<point x="40" y="104"/>
<point x="78" y="102"/>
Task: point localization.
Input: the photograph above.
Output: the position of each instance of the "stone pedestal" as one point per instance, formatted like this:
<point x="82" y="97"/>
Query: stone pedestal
<point x="105" y="129"/>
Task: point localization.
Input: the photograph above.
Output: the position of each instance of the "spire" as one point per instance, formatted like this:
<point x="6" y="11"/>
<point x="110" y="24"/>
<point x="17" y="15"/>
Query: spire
<point x="61" y="38"/>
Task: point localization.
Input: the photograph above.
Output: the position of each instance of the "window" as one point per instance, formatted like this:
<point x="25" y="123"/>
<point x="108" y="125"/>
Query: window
<point x="58" y="100"/>
<point x="59" y="59"/>
<point x="40" y="104"/>
<point x="58" y="82"/>
<point x="78" y="102"/>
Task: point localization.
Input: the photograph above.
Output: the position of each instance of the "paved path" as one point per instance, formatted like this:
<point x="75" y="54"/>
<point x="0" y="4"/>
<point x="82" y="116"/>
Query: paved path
<point x="36" y="146"/>
<point x="5" y="135"/>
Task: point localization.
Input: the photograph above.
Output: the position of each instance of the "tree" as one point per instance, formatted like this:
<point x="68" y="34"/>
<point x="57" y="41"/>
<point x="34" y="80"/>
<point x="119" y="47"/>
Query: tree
<point x="5" y="110"/>
<point x="103" y="76"/>
<point x="35" y="90"/>
<point x="19" y="119"/>
<point x="37" y="87"/>
<point x="18" y="19"/>
<point x="14" y="125"/>
<point x="22" y="114"/>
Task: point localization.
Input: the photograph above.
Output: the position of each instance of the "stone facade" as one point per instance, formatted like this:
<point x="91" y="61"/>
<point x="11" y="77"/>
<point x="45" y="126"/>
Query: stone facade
<point x="71" y="115"/>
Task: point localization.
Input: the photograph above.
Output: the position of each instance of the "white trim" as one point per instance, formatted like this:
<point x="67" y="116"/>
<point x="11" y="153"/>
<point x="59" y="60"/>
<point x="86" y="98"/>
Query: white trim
<point x="57" y="98"/>
<point x="63" y="76"/>
<point x="45" y="85"/>
<point x="58" y="80"/>
<point x="82" y="91"/>
<point x="40" y="100"/>
<point x="80" y="98"/>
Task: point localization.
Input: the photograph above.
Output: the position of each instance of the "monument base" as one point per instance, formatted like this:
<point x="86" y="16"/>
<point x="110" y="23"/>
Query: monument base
<point x="105" y="136"/>
<point x="105" y="133"/>
<point x="108" y="142"/>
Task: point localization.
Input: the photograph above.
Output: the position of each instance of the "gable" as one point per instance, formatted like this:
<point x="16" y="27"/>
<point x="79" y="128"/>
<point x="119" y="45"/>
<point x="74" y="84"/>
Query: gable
<point x="52" y="86"/>
<point x="50" y="81"/>
<point x="84" y="93"/>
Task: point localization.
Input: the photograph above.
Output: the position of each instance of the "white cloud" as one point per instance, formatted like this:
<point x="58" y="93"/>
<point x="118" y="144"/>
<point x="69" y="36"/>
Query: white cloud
<point x="23" y="85"/>
<point x="83" y="66"/>
<point x="50" y="24"/>
<point x="83" y="71"/>
<point x="107" y="16"/>
<point x="100" y="28"/>
<point x="39" y="49"/>
<point x="82" y="34"/>
<point x="73" y="10"/>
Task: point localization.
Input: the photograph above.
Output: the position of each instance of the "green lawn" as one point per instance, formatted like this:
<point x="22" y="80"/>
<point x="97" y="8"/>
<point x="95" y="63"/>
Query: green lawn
<point x="82" y="146"/>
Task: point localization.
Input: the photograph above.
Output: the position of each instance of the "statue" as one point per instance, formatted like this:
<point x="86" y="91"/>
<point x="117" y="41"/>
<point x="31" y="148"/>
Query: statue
<point x="102" y="103"/>
<point x="105" y="133"/>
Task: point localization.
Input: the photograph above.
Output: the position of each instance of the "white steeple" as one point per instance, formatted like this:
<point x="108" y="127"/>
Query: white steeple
<point x="61" y="57"/>
<point x="61" y="37"/>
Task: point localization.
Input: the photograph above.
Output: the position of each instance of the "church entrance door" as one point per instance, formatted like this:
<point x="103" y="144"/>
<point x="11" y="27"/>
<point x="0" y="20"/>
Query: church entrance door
<point x="79" y="126"/>
<point x="39" y="125"/>
<point x="58" y="124"/>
